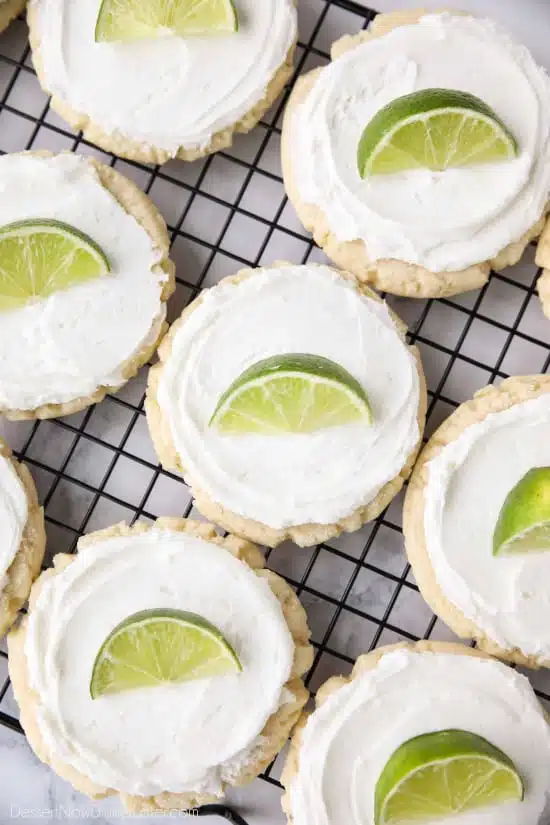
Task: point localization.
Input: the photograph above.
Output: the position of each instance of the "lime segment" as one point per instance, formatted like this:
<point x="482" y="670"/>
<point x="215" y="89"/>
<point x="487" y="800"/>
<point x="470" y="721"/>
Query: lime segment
<point x="433" y="129"/>
<point x="523" y="524"/>
<point x="40" y="257"/>
<point x="121" y="20"/>
<point x="294" y="393"/>
<point x="162" y="646"/>
<point x="444" y="773"/>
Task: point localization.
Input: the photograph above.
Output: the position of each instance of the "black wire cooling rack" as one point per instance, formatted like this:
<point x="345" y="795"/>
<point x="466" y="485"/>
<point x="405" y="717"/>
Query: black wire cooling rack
<point x="225" y="212"/>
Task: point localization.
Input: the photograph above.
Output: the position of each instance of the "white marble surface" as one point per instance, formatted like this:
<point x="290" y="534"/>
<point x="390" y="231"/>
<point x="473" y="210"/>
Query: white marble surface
<point x="31" y="793"/>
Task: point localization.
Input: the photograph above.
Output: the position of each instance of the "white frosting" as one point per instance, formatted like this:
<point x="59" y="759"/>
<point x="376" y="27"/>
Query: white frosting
<point x="168" y="92"/>
<point x="506" y="597"/>
<point x="348" y="740"/>
<point x="66" y="346"/>
<point x="290" y="479"/>
<point x="441" y="220"/>
<point x="185" y="737"/>
<point x="13" y="515"/>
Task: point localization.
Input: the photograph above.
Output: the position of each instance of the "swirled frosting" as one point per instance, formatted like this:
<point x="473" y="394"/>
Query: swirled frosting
<point x="348" y="740"/>
<point x="182" y="737"/>
<point x="443" y="221"/>
<point x="167" y="92"/>
<point x="505" y="596"/>
<point x="56" y="349"/>
<point x="290" y="479"/>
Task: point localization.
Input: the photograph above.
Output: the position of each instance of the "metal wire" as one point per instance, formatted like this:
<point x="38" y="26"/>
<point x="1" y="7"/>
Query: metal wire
<point x="473" y="315"/>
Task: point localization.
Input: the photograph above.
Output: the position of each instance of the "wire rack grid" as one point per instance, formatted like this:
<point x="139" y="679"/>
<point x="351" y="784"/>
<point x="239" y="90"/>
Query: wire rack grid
<point x="98" y="467"/>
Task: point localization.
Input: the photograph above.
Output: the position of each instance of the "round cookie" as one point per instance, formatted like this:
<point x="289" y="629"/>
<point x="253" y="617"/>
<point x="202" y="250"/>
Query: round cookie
<point x="401" y="264"/>
<point x="159" y="137"/>
<point x="309" y="309"/>
<point x="437" y="691"/>
<point x="9" y="9"/>
<point x="66" y="351"/>
<point x="24" y="539"/>
<point x="241" y="586"/>
<point x="455" y="493"/>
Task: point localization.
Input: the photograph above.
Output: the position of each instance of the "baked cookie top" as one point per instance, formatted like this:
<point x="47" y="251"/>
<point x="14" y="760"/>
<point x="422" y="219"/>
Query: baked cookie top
<point x="191" y="736"/>
<point x="286" y="478"/>
<point x="395" y="695"/>
<point x="166" y="92"/>
<point x="442" y="220"/>
<point x="66" y="343"/>
<point x="502" y="591"/>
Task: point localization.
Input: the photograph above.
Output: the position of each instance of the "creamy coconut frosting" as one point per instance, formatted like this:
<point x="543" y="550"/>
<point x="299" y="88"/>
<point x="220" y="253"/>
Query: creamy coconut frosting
<point x="186" y="737"/>
<point x="13" y="515"/>
<point x="468" y="481"/>
<point x="64" y="347"/>
<point x="167" y="92"/>
<point x="348" y="740"/>
<point x="290" y="479"/>
<point x="440" y="220"/>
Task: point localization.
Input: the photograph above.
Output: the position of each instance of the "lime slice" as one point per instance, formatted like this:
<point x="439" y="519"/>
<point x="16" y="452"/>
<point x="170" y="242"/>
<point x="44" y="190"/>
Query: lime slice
<point x="523" y="524"/>
<point x="120" y="20"/>
<point x="40" y="257"/>
<point x="294" y="393"/>
<point x="433" y="129"/>
<point x="439" y="774"/>
<point x="156" y="647"/>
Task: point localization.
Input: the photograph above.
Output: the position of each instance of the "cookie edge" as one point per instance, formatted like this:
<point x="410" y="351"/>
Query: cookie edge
<point x="306" y="534"/>
<point x="490" y="399"/>
<point x="137" y="204"/>
<point x="129" y="149"/>
<point x="9" y="10"/>
<point x="28" y="559"/>
<point x="364" y="663"/>
<point x="278" y="726"/>
<point x="387" y="275"/>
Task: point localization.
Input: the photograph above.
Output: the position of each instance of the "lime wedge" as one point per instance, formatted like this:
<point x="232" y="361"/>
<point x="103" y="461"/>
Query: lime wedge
<point x="433" y="129"/>
<point x="121" y="20"/>
<point x="523" y="524"/>
<point x="156" y="647"/>
<point x="40" y="257"/>
<point x="439" y="774"/>
<point x="293" y="393"/>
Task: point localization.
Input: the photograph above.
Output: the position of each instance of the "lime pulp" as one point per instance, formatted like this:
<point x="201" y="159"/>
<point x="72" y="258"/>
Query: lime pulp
<point x="433" y="129"/>
<point x="161" y="646"/>
<point x="293" y="393"/>
<point x="439" y="774"/>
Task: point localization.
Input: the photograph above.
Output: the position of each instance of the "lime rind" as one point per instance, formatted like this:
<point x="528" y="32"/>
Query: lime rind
<point x="439" y="774"/>
<point x="128" y="20"/>
<point x="41" y="256"/>
<point x="145" y="650"/>
<point x="434" y="129"/>
<point x="292" y="393"/>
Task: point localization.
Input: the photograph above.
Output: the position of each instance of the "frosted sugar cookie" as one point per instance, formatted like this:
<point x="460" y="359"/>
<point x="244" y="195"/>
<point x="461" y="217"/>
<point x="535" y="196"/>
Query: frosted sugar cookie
<point x="291" y="402"/>
<point x="477" y="520"/>
<point x="153" y="81"/>
<point x="427" y="733"/>
<point x="414" y="169"/>
<point x="84" y="279"/>
<point x="9" y="9"/>
<point x="23" y="536"/>
<point x="161" y="663"/>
